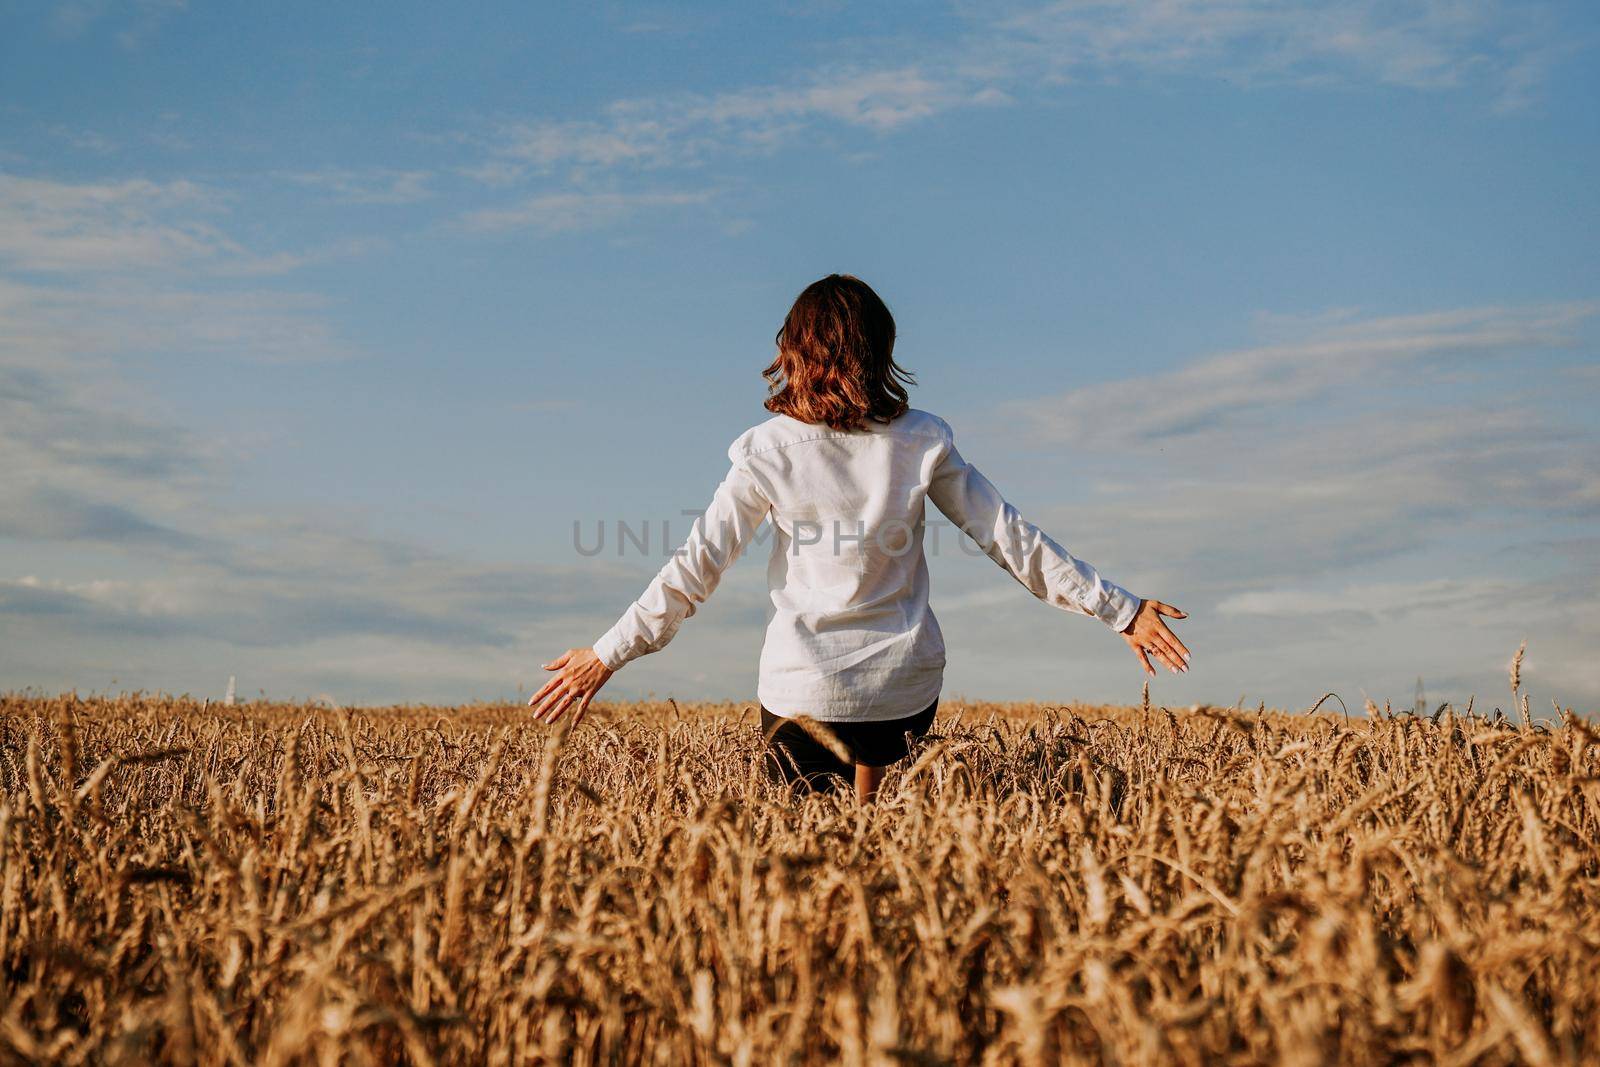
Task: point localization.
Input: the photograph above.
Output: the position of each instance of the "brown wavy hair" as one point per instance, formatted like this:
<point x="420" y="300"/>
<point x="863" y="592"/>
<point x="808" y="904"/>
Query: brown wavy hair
<point x="835" y="365"/>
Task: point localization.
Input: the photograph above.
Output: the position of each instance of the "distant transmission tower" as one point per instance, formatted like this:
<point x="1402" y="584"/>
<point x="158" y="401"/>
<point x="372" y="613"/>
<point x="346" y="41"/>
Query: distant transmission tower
<point x="1421" y="707"/>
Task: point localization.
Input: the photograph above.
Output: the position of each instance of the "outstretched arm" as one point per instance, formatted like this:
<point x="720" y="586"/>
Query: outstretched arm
<point x="1044" y="568"/>
<point x="688" y="578"/>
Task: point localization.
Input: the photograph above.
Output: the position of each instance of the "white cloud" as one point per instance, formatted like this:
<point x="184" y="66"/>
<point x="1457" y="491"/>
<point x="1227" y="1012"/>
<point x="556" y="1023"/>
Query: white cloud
<point x="558" y="212"/>
<point x="686" y="129"/>
<point x="379" y="186"/>
<point x="137" y="226"/>
<point x="146" y="598"/>
<point x="55" y="430"/>
<point x="48" y="324"/>
<point x="57" y="226"/>
<point x="86" y="140"/>
<point x="1017" y="51"/>
<point x="1414" y="45"/>
<point x="130" y="558"/>
<point x="89" y="271"/>
<point x="1211" y="395"/>
<point x="130" y="23"/>
<point x="1287" y="502"/>
<point x="134" y="573"/>
<point x="875" y="99"/>
<point x="1395" y="598"/>
<point x="1455" y="633"/>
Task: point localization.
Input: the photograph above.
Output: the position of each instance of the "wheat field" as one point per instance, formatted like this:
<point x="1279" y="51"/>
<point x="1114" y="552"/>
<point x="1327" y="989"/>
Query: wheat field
<point x="276" y="883"/>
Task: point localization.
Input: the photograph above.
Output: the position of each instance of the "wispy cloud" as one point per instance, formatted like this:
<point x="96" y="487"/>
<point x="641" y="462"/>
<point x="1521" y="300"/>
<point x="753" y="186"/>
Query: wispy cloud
<point x="558" y="212"/>
<point x="1394" y="598"/>
<point x="86" y="140"/>
<point x="1279" y="503"/>
<point x="90" y="269"/>
<point x="284" y="599"/>
<point x="687" y="129"/>
<point x="130" y="23"/>
<point x="62" y="518"/>
<point x="367" y="186"/>
<point x="1209" y="395"/>
<point x="139" y="552"/>
<point x="1008" y="54"/>
<point x="54" y="427"/>
<point x="134" y="226"/>
<point x="1021" y="51"/>
<point x="115" y="502"/>
<point x="1425" y="46"/>
<point x="49" y="225"/>
<point x="86" y="323"/>
<point x="1455" y="632"/>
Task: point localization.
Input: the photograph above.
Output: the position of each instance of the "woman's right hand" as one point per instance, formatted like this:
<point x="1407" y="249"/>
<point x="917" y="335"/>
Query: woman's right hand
<point x="1148" y="636"/>
<point x="579" y="674"/>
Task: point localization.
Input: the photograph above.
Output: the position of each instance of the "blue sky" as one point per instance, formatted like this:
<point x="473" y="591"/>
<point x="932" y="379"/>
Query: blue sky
<point x="320" y="328"/>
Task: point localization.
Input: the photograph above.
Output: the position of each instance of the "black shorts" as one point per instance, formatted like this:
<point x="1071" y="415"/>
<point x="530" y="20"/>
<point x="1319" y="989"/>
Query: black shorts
<point x="794" y="757"/>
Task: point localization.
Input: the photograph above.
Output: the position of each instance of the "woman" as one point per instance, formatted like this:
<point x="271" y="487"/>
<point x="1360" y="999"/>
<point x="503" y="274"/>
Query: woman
<point x="843" y="470"/>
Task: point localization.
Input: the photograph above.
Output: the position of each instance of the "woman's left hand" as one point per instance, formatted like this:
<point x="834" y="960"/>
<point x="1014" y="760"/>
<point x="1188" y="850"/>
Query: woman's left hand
<point x="579" y="676"/>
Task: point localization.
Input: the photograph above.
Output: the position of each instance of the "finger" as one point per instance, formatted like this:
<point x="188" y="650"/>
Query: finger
<point x="1168" y="609"/>
<point x="550" y="699"/>
<point x="583" y="709"/>
<point x="1144" y="660"/>
<point x="1167" y="656"/>
<point x="1172" y="639"/>
<point x="539" y="708"/>
<point x="560" y="707"/>
<point x="544" y="690"/>
<point x="1171" y="662"/>
<point x="559" y="662"/>
<point x="1169" y="646"/>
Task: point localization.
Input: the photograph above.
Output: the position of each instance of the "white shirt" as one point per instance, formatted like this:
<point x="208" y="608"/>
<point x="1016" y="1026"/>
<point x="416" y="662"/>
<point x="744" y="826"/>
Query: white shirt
<point x="851" y="636"/>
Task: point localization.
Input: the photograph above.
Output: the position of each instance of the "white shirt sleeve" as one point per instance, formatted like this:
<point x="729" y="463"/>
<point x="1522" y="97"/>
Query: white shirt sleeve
<point x="1044" y="568"/>
<point x="691" y="575"/>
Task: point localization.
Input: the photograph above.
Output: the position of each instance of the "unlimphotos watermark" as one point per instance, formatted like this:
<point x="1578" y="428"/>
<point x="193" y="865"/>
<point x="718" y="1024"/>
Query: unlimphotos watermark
<point x="663" y="538"/>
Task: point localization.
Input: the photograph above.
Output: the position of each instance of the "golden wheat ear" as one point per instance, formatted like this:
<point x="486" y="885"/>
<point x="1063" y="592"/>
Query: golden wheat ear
<point x="824" y="735"/>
